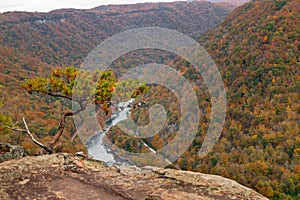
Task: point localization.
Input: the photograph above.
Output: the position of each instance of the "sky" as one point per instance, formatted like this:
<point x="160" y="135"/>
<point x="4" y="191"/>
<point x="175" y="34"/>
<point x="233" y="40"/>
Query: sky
<point x="48" y="5"/>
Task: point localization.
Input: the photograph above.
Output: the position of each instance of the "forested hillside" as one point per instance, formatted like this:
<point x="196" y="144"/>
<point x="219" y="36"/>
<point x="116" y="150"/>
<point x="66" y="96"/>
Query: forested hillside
<point x="65" y="37"/>
<point x="34" y="43"/>
<point x="257" y="49"/>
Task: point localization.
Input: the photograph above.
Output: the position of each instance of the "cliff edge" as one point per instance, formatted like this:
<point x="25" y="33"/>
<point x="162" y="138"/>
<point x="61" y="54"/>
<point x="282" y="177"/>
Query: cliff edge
<point x="64" y="176"/>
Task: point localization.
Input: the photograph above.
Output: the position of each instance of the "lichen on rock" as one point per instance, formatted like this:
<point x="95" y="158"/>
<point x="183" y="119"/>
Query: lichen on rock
<point x="8" y="152"/>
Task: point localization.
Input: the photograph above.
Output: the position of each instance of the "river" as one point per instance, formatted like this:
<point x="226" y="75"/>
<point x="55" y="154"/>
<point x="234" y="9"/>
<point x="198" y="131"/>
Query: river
<point x="99" y="151"/>
<point x="95" y="146"/>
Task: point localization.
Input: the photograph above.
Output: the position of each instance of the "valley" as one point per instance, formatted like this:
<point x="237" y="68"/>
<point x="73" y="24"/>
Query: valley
<point x="254" y="44"/>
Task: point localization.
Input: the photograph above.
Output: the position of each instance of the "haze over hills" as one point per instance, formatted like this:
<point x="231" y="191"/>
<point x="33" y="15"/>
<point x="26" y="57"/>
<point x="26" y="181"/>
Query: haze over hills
<point x="33" y="6"/>
<point x="233" y="2"/>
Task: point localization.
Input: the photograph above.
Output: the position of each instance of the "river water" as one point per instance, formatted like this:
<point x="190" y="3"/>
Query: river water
<point x="95" y="146"/>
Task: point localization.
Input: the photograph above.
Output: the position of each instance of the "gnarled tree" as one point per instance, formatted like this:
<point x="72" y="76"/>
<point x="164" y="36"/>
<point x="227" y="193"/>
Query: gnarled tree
<point x="60" y="84"/>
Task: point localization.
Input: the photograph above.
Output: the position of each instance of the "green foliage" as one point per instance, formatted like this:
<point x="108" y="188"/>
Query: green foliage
<point x="4" y="121"/>
<point x="130" y="89"/>
<point x="52" y="131"/>
<point x="97" y="86"/>
<point x="280" y="3"/>
<point x="105" y="87"/>
<point x="60" y="82"/>
<point x="270" y="26"/>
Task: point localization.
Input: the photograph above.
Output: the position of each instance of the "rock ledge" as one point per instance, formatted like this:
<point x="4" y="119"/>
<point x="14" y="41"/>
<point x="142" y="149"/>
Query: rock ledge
<point x="64" y="176"/>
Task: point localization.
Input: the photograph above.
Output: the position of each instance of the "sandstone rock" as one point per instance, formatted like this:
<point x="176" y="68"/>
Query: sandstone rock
<point x="64" y="176"/>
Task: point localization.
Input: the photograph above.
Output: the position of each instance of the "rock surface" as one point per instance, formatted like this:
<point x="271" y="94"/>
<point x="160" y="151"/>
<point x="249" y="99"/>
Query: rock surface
<point x="63" y="176"/>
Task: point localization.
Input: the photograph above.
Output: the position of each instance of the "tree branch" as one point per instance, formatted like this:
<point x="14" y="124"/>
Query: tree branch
<point x="51" y="145"/>
<point x="62" y="122"/>
<point x="58" y="95"/>
<point x="34" y="140"/>
<point x="16" y="129"/>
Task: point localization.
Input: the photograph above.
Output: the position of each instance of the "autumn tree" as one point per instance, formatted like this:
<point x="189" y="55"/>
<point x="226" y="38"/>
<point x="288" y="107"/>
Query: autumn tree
<point x="96" y="87"/>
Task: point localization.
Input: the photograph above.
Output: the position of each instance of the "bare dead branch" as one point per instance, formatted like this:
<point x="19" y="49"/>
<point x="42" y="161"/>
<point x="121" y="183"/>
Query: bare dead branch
<point x="34" y="140"/>
<point x="51" y="145"/>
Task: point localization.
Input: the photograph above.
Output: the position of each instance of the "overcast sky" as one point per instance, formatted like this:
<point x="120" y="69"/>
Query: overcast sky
<point x="48" y="5"/>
